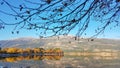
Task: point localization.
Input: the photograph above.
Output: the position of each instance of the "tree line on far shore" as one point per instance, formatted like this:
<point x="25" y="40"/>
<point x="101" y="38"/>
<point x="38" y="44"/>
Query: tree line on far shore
<point x="14" y="50"/>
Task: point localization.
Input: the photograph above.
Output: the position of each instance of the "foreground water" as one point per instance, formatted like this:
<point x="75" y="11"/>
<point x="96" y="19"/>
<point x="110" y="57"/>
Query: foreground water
<point x="69" y="60"/>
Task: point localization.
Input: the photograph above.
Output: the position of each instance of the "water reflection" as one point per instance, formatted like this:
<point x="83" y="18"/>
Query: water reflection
<point x="92" y="60"/>
<point x="34" y="57"/>
<point x="85" y="60"/>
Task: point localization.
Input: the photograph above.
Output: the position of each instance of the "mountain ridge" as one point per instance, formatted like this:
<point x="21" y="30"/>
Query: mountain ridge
<point x="65" y="43"/>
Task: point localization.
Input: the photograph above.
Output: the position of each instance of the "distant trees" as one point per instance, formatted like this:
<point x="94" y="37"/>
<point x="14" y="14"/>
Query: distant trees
<point x="9" y="50"/>
<point x="60" y="16"/>
<point x="57" y="50"/>
<point x="35" y="54"/>
<point x="20" y="50"/>
<point x="28" y="50"/>
<point x="36" y="50"/>
<point x="13" y="50"/>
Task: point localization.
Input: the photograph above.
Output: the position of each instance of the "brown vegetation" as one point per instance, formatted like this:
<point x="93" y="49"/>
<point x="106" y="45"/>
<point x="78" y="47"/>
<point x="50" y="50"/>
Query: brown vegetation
<point x="13" y="50"/>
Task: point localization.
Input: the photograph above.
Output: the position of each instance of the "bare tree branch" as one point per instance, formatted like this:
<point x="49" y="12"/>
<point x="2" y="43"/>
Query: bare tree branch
<point x="62" y="16"/>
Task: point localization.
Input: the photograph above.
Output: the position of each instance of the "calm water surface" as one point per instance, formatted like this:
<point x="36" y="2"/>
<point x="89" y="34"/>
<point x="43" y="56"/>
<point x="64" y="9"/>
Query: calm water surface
<point x="66" y="61"/>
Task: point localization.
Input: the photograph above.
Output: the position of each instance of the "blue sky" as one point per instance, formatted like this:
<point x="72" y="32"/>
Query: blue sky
<point x="5" y="34"/>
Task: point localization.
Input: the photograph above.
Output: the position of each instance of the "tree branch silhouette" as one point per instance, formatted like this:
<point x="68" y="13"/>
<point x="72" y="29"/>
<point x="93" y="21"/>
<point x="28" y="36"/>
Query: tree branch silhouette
<point x="60" y="17"/>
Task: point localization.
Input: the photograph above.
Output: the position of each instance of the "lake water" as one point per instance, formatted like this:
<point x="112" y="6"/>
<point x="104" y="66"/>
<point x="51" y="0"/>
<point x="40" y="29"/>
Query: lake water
<point x="66" y="61"/>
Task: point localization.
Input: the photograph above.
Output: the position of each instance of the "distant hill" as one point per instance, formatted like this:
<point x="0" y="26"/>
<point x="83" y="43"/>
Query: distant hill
<point x="67" y="43"/>
<point x="16" y="42"/>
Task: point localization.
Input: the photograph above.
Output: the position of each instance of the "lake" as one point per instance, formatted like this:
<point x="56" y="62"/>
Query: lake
<point x="69" y="60"/>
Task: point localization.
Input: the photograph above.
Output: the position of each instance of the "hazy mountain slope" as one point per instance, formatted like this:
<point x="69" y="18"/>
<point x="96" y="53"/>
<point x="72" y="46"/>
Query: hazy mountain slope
<point x="63" y="42"/>
<point x="17" y="42"/>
